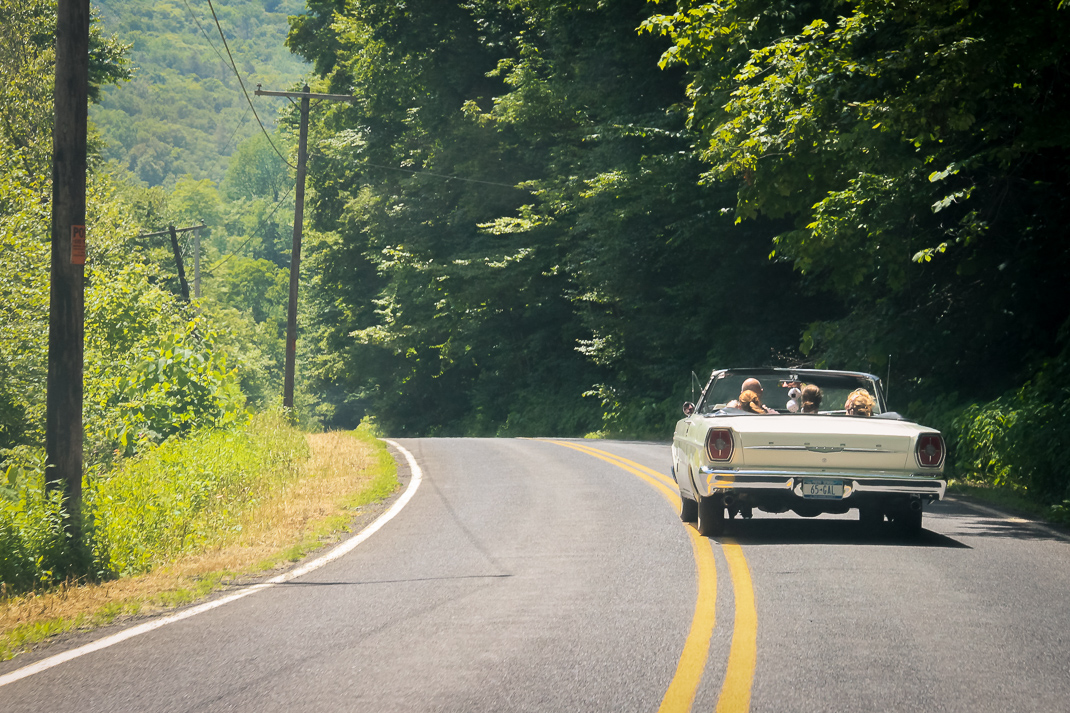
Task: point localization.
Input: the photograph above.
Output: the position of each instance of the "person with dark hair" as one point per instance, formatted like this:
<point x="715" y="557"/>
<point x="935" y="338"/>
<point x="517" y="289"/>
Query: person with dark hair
<point x="750" y="398"/>
<point x="810" y="398"/>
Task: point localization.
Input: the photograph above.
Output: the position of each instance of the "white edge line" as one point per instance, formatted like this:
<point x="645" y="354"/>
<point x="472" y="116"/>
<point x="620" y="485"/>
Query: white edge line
<point x="998" y="514"/>
<point x="342" y="549"/>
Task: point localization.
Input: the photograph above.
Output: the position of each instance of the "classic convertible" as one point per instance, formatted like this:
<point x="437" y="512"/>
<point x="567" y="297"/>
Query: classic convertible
<point x="748" y="444"/>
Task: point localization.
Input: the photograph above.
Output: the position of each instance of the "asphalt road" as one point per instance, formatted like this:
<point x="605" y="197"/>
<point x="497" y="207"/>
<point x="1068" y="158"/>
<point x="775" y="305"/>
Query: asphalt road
<point x="544" y="576"/>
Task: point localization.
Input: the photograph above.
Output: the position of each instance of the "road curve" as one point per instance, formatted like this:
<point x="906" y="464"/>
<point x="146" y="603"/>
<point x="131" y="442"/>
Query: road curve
<point x="529" y="575"/>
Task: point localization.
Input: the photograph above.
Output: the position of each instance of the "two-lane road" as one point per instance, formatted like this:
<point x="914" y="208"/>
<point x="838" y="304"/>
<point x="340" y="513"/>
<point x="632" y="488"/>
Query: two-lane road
<point x="556" y="576"/>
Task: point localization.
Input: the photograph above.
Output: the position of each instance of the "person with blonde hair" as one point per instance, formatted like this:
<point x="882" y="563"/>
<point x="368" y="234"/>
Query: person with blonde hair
<point x="750" y="401"/>
<point x="860" y="403"/>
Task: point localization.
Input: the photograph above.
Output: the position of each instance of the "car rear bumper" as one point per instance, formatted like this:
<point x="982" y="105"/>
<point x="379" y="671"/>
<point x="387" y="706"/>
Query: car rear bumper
<point x="859" y="486"/>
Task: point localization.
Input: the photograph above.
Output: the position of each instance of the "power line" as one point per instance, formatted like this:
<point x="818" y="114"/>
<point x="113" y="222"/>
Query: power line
<point x="256" y="233"/>
<point x="199" y="27"/>
<point x="241" y="123"/>
<point x="444" y="176"/>
<point x="246" y="93"/>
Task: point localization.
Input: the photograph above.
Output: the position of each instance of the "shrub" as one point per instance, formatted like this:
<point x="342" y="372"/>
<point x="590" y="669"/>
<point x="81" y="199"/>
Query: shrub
<point x="34" y="549"/>
<point x="1019" y="438"/>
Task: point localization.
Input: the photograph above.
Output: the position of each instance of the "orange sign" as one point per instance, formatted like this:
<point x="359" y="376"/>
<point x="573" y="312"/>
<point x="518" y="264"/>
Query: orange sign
<point x="77" y="244"/>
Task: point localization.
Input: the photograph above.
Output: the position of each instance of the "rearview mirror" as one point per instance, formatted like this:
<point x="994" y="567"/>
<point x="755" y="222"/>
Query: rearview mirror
<point x="689" y="408"/>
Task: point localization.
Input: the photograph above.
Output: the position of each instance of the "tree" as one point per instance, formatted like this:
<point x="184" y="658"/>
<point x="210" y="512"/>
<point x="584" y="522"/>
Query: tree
<point x="570" y="263"/>
<point x="256" y="170"/>
<point x="27" y="57"/>
<point x="918" y="152"/>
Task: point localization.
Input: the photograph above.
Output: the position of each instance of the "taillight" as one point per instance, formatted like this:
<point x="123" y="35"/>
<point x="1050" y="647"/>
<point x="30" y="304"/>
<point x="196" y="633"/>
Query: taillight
<point x="719" y="444"/>
<point x="930" y="450"/>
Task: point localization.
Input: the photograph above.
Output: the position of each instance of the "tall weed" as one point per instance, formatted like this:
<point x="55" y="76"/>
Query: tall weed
<point x="34" y="548"/>
<point x="185" y="494"/>
<point x="189" y="493"/>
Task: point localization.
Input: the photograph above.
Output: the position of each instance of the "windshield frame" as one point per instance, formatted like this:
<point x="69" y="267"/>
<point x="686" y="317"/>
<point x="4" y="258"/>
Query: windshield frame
<point x="770" y="376"/>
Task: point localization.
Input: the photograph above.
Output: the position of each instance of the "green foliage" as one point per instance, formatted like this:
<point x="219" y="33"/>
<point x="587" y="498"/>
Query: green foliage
<point x="183" y="495"/>
<point x="567" y="253"/>
<point x="188" y="493"/>
<point x="256" y="170"/>
<point x="916" y="150"/>
<point x="35" y="551"/>
<point x="24" y="256"/>
<point x="173" y="385"/>
<point x="1018" y="439"/>
<point x="27" y="71"/>
<point x="257" y="286"/>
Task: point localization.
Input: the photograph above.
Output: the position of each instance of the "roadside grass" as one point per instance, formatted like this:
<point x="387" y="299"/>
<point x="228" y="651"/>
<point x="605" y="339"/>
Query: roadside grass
<point x="344" y="473"/>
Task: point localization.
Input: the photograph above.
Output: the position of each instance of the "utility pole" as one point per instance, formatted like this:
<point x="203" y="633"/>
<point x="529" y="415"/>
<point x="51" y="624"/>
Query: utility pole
<point x="197" y="265"/>
<point x="66" y="313"/>
<point x="299" y="215"/>
<point x="183" y="285"/>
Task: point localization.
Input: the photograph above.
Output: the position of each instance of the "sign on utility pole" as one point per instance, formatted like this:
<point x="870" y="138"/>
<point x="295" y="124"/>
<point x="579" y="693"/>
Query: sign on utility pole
<point x="66" y="313"/>
<point x="299" y="217"/>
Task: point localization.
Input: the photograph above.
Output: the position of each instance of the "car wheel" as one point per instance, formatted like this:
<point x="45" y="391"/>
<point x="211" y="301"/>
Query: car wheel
<point x="908" y="522"/>
<point x="710" y="521"/>
<point x="688" y="509"/>
<point x="870" y="518"/>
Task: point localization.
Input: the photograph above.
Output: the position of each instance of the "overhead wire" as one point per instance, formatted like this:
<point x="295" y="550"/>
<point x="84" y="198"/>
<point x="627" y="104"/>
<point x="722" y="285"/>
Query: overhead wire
<point x="242" y="83"/>
<point x="199" y="27"/>
<point x="255" y="234"/>
<point x="241" y="122"/>
<point x="444" y="176"/>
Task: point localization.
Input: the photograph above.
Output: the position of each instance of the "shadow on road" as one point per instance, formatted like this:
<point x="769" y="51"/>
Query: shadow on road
<point x="974" y="526"/>
<point x="790" y="531"/>
<point x="303" y="583"/>
<point x="968" y="521"/>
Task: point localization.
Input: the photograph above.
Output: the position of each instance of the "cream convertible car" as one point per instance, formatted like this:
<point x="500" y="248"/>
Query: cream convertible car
<point x="725" y="458"/>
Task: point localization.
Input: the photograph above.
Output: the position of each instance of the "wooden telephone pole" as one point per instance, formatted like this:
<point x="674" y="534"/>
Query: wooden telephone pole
<point x="183" y="284"/>
<point x="299" y="216"/>
<point x="66" y="315"/>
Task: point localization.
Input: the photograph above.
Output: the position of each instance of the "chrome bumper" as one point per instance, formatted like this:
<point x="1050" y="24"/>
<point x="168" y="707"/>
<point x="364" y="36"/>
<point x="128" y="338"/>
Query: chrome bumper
<point x="738" y="481"/>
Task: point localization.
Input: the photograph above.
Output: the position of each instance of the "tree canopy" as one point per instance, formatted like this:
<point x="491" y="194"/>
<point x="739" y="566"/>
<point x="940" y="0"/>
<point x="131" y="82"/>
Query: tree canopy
<point x="541" y="216"/>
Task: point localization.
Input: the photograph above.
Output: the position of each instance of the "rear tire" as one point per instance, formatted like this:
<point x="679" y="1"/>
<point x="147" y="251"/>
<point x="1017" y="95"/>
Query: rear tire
<point x="710" y="521"/>
<point x="908" y="522"/>
<point x="688" y="509"/>
<point x="870" y="518"/>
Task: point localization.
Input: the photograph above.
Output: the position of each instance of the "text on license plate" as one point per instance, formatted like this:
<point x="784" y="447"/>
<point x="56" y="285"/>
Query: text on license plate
<point x="822" y="488"/>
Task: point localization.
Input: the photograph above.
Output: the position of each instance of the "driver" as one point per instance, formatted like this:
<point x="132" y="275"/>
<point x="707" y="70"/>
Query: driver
<point x="751" y="401"/>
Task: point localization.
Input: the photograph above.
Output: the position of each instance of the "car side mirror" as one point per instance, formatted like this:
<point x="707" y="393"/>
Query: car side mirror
<point x="689" y="408"/>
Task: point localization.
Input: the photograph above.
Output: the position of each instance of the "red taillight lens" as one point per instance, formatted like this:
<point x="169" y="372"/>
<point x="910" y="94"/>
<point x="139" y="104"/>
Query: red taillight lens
<point x="930" y="450"/>
<point x="719" y="444"/>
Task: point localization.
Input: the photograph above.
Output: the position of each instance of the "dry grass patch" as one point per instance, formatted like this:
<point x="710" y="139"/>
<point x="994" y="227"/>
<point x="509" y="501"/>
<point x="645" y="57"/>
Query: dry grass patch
<point x="344" y="473"/>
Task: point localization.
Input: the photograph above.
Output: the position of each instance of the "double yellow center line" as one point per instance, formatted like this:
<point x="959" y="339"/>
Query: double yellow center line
<point x="739" y="674"/>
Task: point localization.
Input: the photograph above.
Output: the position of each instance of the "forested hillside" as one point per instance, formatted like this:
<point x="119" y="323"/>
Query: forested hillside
<point x="541" y="216"/>
<point x="183" y="112"/>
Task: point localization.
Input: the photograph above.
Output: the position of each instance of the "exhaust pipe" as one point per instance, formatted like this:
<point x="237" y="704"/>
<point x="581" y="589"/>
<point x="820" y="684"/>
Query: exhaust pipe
<point x="915" y="505"/>
<point x="729" y="500"/>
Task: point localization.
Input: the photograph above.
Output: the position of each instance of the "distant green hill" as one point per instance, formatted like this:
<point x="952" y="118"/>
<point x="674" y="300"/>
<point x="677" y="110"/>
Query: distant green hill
<point x="184" y="112"/>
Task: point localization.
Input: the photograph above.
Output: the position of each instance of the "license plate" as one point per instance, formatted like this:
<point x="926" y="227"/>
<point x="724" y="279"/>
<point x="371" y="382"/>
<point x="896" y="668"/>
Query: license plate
<point x="822" y="488"/>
